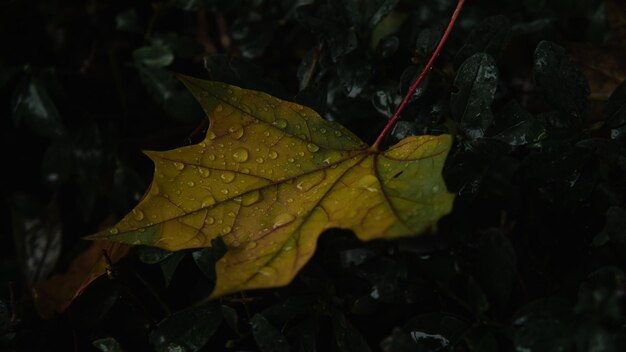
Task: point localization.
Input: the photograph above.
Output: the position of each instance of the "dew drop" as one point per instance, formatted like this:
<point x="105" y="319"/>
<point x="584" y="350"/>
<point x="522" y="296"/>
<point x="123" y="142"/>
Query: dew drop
<point x="179" y="166"/>
<point x="283" y="219"/>
<point x="138" y="214"/>
<point x="338" y="133"/>
<point x="211" y="135"/>
<point x="211" y="157"/>
<point x="114" y="231"/>
<point x="273" y="155"/>
<point x="219" y="108"/>
<point x="368" y="182"/>
<point x="245" y="171"/>
<point x="227" y="176"/>
<point x="267" y="271"/>
<point x="208" y="201"/>
<point x="226" y="229"/>
<point x="209" y="220"/>
<point x="250" y="198"/>
<point x="191" y="183"/>
<point x="260" y="160"/>
<point x="224" y="191"/>
<point x="312" y="147"/>
<point x="251" y="245"/>
<point x="291" y="160"/>
<point x="280" y="123"/>
<point x="204" y="172"/>
<point x="241" y="155"/>
<point x="322" y="130"/>
<point x="236" y="132"/>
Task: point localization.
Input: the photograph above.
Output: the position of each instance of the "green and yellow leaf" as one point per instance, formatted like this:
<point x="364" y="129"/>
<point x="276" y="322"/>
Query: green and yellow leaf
<point x="270" y="177"/>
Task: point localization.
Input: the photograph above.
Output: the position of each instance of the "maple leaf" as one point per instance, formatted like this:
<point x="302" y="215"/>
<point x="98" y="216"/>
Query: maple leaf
<point x="270" y="176"/>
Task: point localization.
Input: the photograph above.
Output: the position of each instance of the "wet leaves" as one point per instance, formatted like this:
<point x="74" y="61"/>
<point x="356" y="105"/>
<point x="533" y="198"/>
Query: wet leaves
<point x="476" y="82"/>
<point x="270" y="176"/>
<point x="560" y="81"/>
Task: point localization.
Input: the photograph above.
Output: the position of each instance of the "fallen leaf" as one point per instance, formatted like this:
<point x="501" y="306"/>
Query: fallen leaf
<point x="270" y="176"/>
<point x="58" y="292"/>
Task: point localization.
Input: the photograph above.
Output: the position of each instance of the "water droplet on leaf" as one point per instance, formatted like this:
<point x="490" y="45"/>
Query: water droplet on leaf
<point x="138" y="214"/>
<point x="208" y="201"/>
<point x="241" y="155"/>
<point x="283" y="219"/>
<point x="280" y="123"/>
<point x="312" y="147"/>
<point x="227" y="176"/>
<point x="204" y="172"/>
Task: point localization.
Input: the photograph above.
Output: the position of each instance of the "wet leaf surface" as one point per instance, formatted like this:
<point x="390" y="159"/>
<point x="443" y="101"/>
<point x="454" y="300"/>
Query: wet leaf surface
<point x="269" y="177"/>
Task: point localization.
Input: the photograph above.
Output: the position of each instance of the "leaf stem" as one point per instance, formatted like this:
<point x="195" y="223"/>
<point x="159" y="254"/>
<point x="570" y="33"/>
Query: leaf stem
<point x="420" y="78"/>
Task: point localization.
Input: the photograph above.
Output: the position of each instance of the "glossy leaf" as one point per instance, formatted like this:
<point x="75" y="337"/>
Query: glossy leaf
<point x="190" y="329"/>
<point x="560" y="81"/>
<point x="476" y="81"/>
<point x="270" y="176"/>
<point x="267" y="337"/>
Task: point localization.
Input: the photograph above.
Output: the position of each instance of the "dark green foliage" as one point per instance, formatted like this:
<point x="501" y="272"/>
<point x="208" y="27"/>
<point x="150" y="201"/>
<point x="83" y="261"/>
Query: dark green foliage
<point x="532" y="257"/>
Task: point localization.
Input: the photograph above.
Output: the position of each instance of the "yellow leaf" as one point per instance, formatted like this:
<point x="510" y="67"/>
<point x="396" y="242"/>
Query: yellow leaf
<point x="270" y="176"/>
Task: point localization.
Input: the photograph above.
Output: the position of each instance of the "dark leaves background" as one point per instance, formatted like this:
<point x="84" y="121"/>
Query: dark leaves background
<point x="532" y="257"/>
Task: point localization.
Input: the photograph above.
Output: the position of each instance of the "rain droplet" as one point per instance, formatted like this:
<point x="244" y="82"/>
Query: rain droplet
<point x="191" y="184"/>
<point x="211" y="135"/>
<point x="224" y="191"/>
<point x="114" y="231"/>
<point x="138" y="214"/>
<point x="251" y="198"/>
<point x="312" y="147"/>
<point x="219" y="108"/>
<point x="245" y="171"/>
<point x="260" y="160"/>
<point x="368" y="182"/>
<point x="227" y="176"/>
<point x="226" y="229"/>
<point x="267" y="271"/>
<point x="283" y="219"/>
<point x="241" y="155"/>
<point x="211" y="157"/>
<point x="337" y="133"/>
<point x="280" y="123"/>
<point x="251" y="245"/>
<point x="322" y="130"/>
<point x="208" y="201"/>
<point x="273" y="155"/>
<point x="236" y="132"/>
<point x="204" y="172"/>
<point x="209" y="220"/>
<point x="179" y="166"/>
